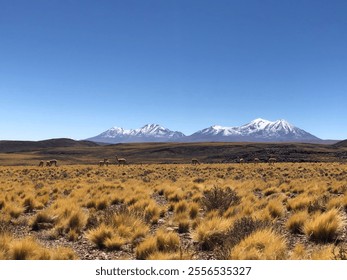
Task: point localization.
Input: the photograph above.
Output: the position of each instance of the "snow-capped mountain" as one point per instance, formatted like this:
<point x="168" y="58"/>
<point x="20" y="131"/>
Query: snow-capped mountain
<point x="147" y="133"/>
<point x="258" y="130"/>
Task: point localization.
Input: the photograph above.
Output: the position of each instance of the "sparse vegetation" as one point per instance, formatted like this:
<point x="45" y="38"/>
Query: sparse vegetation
<point x="219" y="211"/>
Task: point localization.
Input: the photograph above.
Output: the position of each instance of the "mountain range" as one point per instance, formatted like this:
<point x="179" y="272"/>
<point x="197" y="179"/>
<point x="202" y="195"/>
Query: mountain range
<point x="258" y="130"/>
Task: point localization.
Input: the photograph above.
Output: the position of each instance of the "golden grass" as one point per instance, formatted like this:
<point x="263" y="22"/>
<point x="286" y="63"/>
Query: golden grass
<point x="123" y="207"/>
<point x="212" y="232"/>
<point x="164" y="242"/>
<point x="100" y="234"/>
<point x="29" y="249"/>
<point x="296" y="222"/>
<point x="261" y="245"/>
<point x="324" y="227"/>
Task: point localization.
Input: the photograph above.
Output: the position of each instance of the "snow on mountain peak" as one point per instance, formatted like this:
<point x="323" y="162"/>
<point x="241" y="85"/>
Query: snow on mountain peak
<point x="258" y="130"/>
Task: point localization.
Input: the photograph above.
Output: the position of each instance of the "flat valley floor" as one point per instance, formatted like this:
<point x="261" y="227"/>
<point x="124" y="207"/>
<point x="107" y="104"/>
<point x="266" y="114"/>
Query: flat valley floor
<point x="174" y="211"/>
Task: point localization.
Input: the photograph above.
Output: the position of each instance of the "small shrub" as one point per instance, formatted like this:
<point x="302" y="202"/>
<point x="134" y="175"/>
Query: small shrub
<point x="219" y="199"/>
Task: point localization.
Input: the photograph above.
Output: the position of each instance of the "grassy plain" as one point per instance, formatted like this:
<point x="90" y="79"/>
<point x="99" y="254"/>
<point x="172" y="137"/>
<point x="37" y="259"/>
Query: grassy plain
<point x="174" y="211"/>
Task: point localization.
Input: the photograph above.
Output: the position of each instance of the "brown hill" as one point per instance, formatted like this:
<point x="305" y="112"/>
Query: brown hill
<point x="341" y="144"/>
<point x="27" y="146"/>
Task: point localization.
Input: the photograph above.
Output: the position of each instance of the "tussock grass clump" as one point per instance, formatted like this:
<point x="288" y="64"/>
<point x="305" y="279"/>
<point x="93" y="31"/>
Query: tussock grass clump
<point x="30" y="204"/>
<point x="165" y="242"/>
<point x="43" y="220"/>
<point x="212" y="232"/>
<point x="145" y="248"/>
<point x="275" y="209"/>
<point x="100" y="234"/>
<point x="181" y="207"/>
<point x="296" y="222"/>
<point x="260" y="245"/>
<point x="299" y="253"/>
<point x="101" y="204"/>
<point x="29" y="249"/>
<point x="193" y="210"/>
<point x="14" y="210"/>
<point x="128" y="226"/>
<point x="147" y="209"/>
<point x="242" y="228"/>
<point x="299" y="203"/>
<point x="114" y="243"/>
<point x="324" y="227"/>
<point x="73" y="220"/>
<point x="323" y="253"/>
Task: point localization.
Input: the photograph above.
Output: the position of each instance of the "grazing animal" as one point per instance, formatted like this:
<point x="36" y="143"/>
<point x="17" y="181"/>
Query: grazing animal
<point x="42" y="163"/>
<point x="272" y="160"/>
<point x="195" y="161"/>
<point x="256" y="160"/>
<point x="52" y="162"/>
<point x="121" y="160"/>
<point x="104" y="162"/>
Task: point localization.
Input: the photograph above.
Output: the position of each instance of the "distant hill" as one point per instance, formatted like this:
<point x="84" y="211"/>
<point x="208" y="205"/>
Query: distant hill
<point x="341" y="144"/>
<point x="27" y="146"/>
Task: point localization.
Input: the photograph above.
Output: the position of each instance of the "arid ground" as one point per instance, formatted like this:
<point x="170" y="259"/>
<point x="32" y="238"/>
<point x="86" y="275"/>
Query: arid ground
<point x="245" y="210"/>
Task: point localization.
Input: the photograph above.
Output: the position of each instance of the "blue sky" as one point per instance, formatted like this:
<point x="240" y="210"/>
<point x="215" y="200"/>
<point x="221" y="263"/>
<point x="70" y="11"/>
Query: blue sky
<point x="76" y="68"/>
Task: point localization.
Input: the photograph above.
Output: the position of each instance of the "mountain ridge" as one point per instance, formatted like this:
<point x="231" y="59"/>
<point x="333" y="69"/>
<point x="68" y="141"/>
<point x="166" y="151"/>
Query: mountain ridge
<point x="258" y="130"/>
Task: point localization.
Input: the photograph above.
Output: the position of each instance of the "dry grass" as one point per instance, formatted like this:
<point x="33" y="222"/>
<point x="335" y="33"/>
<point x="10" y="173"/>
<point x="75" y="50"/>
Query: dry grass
<point x="212" y="232"/>
<point x="162" y="242"/>
<point x="325" y="227"/>
<point x="260" y="245"/>
<point x="151" y="211"/>
<point x="295" y="223"/>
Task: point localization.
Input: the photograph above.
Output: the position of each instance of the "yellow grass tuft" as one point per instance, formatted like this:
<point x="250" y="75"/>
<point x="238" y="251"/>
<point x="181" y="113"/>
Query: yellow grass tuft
<point x="146" y="248"/>
<point x="296" y="222"/>
<point x="165" y="242"/>
<point x="324" y="227"/>
<point x="100" y="234"/>
<point x="212" y="232"/>
<point x="275" y="208"/>
<point x="260" y="245"/>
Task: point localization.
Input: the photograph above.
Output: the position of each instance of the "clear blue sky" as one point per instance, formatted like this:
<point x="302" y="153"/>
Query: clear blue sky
<point x="76" y="68"/>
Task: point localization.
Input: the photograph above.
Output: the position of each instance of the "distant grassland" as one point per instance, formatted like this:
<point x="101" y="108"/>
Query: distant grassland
<point x="174" y="211"/>
<point x="81" y="152"/>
